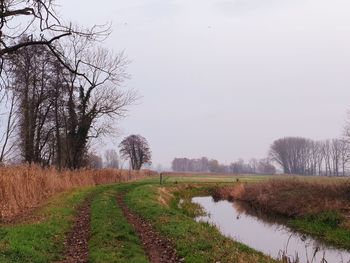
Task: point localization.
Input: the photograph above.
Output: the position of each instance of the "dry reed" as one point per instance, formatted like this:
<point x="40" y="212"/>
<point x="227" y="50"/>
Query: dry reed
<point x="25" y="187"/>
<point x="292" y="197"/>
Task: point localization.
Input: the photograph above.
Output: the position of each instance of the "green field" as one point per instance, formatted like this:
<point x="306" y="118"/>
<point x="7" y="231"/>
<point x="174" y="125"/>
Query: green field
<point x="213" y="179"/>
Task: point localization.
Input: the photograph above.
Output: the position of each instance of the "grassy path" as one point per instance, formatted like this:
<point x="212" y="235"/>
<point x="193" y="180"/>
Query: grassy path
<point x="112" y="239"/>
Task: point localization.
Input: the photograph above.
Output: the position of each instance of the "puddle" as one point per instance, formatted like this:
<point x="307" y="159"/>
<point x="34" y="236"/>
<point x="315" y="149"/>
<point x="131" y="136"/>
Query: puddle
<point x="236" y="221"/>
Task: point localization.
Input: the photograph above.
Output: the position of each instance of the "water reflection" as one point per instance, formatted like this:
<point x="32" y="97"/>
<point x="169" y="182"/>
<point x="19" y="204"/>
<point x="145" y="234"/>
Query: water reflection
<point x="268" y="235"/>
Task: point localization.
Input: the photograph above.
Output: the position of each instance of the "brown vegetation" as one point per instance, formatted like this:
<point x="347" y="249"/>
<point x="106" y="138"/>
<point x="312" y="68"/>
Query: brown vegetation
<point x="292" y="197"/>
<point x="26" y="187"/>
<point x="165" y="196"/>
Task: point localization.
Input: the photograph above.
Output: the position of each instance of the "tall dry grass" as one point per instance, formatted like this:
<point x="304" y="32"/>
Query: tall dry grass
<point x="26" y="187"/>
<point x="292" y="197"/>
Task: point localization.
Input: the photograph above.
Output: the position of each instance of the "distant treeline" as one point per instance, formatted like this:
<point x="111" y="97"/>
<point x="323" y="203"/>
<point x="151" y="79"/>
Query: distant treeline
<point x="295" y="155"/>
<point x="205" y="165"/>
<point x="303" y="156"/>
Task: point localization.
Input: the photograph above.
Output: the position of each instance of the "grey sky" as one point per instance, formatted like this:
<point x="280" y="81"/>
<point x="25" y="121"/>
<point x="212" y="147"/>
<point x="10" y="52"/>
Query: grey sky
<point x="224" y="78"/>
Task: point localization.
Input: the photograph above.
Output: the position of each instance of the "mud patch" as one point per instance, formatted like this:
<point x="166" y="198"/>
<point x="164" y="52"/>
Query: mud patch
<point x="76" y="244"/>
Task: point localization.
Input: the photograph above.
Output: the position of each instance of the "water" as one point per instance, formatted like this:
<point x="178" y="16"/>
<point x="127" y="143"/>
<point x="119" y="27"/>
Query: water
<point x="272" y="237"/>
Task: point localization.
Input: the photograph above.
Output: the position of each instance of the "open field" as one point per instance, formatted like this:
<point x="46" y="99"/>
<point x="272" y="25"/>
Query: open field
<point x="232" y="178"/>
<point x="112" y="237"/>
<point x="209" y="178"/>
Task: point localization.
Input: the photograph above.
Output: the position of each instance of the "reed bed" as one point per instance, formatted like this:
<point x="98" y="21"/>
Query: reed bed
<point x="25" y="187"/>
<point x="292" y="197"/>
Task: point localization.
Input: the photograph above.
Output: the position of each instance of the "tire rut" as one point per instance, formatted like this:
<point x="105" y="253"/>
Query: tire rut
<point x="76" y="244"/>
<point x="158" y="248"/>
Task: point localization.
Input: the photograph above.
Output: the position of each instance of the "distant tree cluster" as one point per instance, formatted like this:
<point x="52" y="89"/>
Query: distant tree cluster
<point x="263" y="166"/>
<point x="112" y="159"/>
<point x="303" y="156"/>
<point x="190" y="165"/>
<point x="94" y="161"/>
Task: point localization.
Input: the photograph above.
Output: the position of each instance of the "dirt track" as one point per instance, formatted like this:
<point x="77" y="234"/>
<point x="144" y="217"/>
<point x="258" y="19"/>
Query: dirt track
<point x="77" y="249"/>
<point x="158" y="248"/>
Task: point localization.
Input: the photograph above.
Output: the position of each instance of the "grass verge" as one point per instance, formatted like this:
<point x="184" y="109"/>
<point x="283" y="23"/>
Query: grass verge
<point x="41" y="241"/>
<point x="326" y="226"/>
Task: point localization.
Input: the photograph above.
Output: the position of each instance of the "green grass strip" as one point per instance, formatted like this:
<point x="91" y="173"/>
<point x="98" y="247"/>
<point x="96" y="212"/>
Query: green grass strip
<point x="113" y="239"/>
<point x="327" y="226"/>
<point x="41" y="241"/>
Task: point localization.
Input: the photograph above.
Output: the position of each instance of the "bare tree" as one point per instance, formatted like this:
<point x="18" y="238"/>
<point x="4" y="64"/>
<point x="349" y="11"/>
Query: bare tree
<point x="136" y="149"/>
<point x="30" y="83"/>
<point x="26" y="23"/>
<point x="7" y="143"/>
<point x="112" y="159"/>
<point x="61" y="112"/>
<point x="265" y="167"/>
<point x="292" y="154"/>
<point x="214" y="166"/>
<point x="279" y="152"/>
<point x="336" y="146"/>
<point x="69" y="89"/>
<point x="94" y="161"/>
<point x="94" y="97"/>
<point x="344" y="156"/>
<point x="307" y="157"/>
<point x="327" y="157"/>
<point x="254" y="165"/>
<point x="339" y="151"/>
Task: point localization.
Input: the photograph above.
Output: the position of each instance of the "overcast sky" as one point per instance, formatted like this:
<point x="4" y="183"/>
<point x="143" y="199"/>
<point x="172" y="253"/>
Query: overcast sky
<point x="224" y="78"/>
